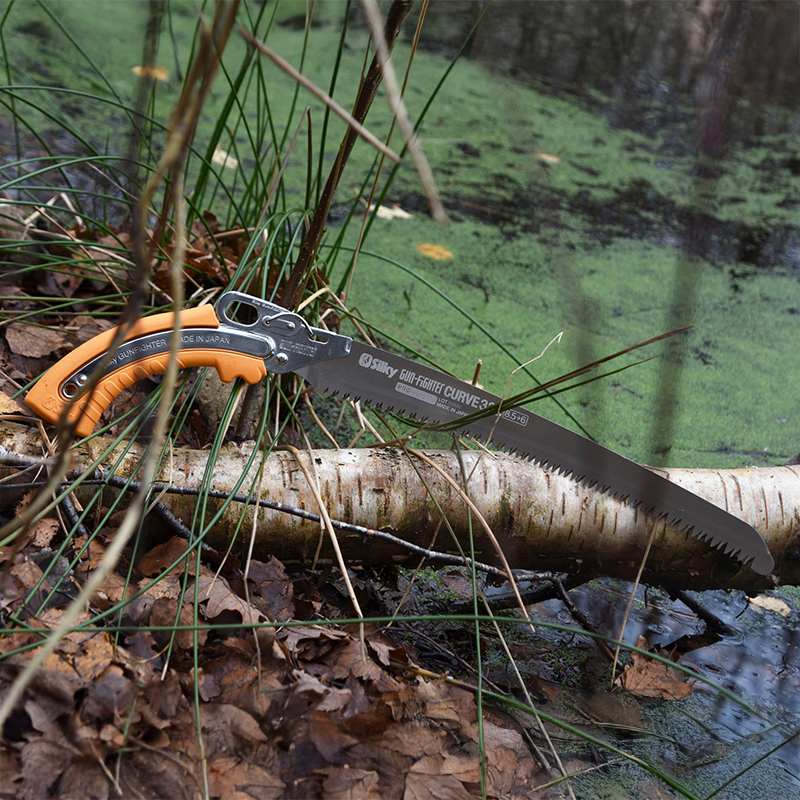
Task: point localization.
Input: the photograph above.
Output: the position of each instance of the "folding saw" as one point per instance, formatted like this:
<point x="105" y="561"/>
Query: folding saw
<point x="274" y="339"/>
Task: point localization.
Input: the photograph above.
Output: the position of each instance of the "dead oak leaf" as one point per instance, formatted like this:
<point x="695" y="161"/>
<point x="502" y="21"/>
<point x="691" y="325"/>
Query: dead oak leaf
<point x="234" y="779"/>
<point x="342" y="783"/>
<point x="421" y="786"/>
<point x="216" y="597"/>
<point x="43" y="531"/>
<point x="649" y="678"/>
<point x="32" y="341"/>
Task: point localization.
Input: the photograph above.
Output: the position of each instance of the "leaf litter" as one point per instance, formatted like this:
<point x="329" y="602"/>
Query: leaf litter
<point x="294" y="712"/>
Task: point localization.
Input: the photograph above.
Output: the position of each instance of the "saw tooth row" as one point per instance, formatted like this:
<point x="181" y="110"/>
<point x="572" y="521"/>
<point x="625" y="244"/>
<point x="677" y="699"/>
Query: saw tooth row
<point x="558" y="469"/>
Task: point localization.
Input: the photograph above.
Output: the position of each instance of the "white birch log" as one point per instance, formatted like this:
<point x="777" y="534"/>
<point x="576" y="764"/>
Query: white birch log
<point x="542" y="520"/>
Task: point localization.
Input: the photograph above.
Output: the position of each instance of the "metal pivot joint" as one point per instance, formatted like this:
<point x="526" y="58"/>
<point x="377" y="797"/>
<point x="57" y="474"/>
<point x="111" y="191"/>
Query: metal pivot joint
<point x="290" y="342"/>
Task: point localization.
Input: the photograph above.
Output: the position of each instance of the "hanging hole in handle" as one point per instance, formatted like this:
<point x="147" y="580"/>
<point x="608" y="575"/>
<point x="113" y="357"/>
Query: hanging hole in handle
<point x="69" y="389"/>
<point x="241" y="313"/>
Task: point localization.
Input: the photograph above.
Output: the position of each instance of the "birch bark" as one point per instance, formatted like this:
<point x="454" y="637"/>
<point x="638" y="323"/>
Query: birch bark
<point x="542" y="520"/>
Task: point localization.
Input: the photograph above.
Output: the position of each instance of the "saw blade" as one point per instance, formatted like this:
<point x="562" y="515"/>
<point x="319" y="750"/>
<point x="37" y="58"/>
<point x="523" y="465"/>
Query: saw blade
<point x="393" y="383"/>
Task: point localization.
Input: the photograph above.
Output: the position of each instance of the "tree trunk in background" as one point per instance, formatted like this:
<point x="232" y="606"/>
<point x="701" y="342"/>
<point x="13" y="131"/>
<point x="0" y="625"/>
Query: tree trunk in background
<point x="643" y="50"/>
<point x="543" y="521"/>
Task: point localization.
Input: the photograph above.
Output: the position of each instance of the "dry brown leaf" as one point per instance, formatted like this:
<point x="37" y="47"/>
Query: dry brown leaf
<point x="112" y="591"/>
<point x="32" y="341"/>
<point x="160" y="557"/>
<point x="8" y="405"/>
<point x="274" y="587"/>
<point x="422" y="786"/>
<point x="327" y="736"/>
<point x="217" y="596"/>
<point x="85" y="327"/>
<point x="434" y="251"/>
<point x="310" y="642"/>
<point x="649" y="678"/>
<point x="109" y="697"/>
<point x="342" y="783"/>
<point x="765" y="602"/>
<point x="548" y="158"/>
<point x="62" y="284"/>
<point x="43" y="531"/>
<point x="349" y="660"/>
<point x="164" y="614"/>
<point x="510" y="764"/>
<point x="156" y="72"/>
<point x="166" y="587"/>
<point x="234" y="779"/>
<point x="43" y="762"/>
<point x="93" y="656"/>
<point x="224" y="724"/>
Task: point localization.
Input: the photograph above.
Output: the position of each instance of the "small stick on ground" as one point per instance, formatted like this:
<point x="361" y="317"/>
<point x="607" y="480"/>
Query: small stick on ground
<point x="581" y="618"/>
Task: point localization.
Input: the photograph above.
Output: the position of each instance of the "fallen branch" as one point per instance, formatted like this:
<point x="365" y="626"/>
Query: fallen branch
<point x="542" y="520"/>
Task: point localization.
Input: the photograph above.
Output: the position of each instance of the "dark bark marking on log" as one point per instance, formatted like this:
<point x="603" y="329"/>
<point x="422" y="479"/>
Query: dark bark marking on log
<point x="724" y="492"/>
<point x="738" y="491"/>
<point x="766" y="509"/>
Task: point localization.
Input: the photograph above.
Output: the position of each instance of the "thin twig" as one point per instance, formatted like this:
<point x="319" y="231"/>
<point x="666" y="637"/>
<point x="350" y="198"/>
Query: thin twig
<point x="581" y="618"/>
<point x="373" y="15"/>
<point x="635" y="586"/>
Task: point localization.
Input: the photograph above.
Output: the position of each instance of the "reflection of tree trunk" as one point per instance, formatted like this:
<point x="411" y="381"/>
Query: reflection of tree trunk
<point x="626" y="46"/>
<point x="146" y="84"/>
<point x="543" y="520"/>
<point x="715" y="96"/>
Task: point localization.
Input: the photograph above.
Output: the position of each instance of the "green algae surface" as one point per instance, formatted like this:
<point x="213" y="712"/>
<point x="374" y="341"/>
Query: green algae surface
<point x="562" y="219"/>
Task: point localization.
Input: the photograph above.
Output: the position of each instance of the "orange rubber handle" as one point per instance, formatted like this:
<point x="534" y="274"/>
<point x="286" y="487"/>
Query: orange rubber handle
<point x="45" y="397"/>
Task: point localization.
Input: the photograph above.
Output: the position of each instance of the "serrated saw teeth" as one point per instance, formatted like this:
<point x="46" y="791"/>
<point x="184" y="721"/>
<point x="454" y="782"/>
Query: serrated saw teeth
<point x="381" y="378"/>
